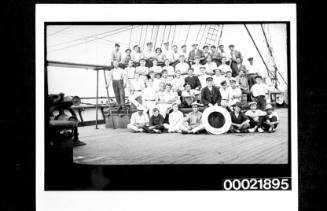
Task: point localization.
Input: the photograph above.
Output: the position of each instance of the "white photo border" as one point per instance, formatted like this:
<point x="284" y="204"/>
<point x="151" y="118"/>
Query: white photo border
<point x="162" y="200"/>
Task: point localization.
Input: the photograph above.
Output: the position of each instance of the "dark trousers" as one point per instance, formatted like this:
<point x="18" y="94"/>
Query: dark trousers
<point x="251" y="79"/>
<point x="147" y="130"/>
<point x="234" y="68"/>
<point x="256" y="123"/>
<point x="266" y="127"/>
<point x="119" y="91"/>
<point x="261" y="102"/>
<point x="217" y="62"/>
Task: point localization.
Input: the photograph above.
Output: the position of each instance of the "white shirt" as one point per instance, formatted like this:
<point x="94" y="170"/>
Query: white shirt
<point x="137" y="56"/>
<point x="117" y="73"/>
<point x="156" y="69"/>
<point x="225" y="93"/>
<point x="185" y="54"/>
<point x="139" y="119"/>
<point x="252" y="69"/>
<point x="210" y="67"/>
<point x="197" y="70"/>
<point x="183" y="67"/>
<point x="188" y="93"/>
<point x="259" y="89"/>
<point x="217" y="80"/>
<point x="175" y="55"/>
<point x="224" y="68"/>
<point x="129" y="72"/>
<point x="254" y="114"/>
<point x="156" y="83"/>
<point x="148" y="54"/>
<point x="176" y="118"/>
<point x="137" y="85"/>
<point x="170" y="70"/>
<point x="178" y="83"/>
<point x="203" y="80"/>
<point x="236" y="93"/>
<point x="169" y="55"/>
<point x="149" y="93"/>
<point x="142" y="70"/>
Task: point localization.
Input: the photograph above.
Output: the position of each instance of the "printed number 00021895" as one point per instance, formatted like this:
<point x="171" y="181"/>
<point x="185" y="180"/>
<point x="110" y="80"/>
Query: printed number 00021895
<point x="257" y="184"/>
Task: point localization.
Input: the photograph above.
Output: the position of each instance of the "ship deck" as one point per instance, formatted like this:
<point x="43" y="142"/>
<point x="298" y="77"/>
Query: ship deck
<point x="106" y="146"/>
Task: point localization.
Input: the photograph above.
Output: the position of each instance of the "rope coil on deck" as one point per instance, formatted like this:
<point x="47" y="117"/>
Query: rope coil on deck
<point x="216" y="120"/>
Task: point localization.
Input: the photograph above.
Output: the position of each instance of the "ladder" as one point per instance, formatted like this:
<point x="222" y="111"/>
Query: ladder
<point x="212" y="35"/>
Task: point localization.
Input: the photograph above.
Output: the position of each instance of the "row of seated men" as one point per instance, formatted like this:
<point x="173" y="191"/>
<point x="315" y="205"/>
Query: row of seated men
<point x="251" y="121"/>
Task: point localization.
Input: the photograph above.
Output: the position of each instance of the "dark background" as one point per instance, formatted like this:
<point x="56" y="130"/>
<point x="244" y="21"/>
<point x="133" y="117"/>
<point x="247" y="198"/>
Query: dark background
<point x="18" y="112"/>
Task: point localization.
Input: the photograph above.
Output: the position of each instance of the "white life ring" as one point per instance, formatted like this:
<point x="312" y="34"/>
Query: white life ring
<point x="223" y="112"/>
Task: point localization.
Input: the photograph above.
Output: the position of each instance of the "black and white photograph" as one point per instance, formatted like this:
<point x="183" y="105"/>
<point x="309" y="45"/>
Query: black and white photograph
<point x="171" y="93"/>
<point x="154" y="103"/>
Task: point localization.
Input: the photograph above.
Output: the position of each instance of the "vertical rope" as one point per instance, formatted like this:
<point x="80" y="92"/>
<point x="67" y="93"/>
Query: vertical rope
<point x="205" y="27"/>
<point x="174" y="35"/>
<point x="130" y="37"/>
<point x="255" y="45"/>
<point x="169" y="33"/>
<point x="163" y="35"/>
<point x="146" y="31"/>
<point x="156" y="36"/>
<point x="221" y="33"/>
<point x="188" y="31"/>
<point x="141" y="35"/>
<point x="152" y="33"/>
<point x="196" y="39"/>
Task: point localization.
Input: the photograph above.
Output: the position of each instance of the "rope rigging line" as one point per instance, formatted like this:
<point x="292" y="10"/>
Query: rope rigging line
<point x="169" y="33"/>
<point x="130" y="37"/>
<point x="156" y="36"/>
<point x="146" y="31"/>
<point x="89" y="36"/>
<point x="163" y="35"/>
<point x="87" y="41"/>
<point x="205" y="27"/>
<point x="196" y="39"/>
<point x="151" y="33"/>
<point x="269" y="73"/>
<point x="174" y="35"/>
<point x="271" y="54"/>
<point x="141" y="35"/>
<point x="188" y="31"/>
<point x="61" y="30"/>
<point x="221" y="33"/>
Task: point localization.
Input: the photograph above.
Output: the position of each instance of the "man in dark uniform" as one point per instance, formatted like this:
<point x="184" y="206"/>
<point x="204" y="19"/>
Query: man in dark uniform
<point x="210" y="95"/>
<point x="193" y="80"/>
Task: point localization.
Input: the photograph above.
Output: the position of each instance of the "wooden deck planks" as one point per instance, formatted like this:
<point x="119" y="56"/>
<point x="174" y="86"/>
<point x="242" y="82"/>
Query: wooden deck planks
<point x="120" y="146"/>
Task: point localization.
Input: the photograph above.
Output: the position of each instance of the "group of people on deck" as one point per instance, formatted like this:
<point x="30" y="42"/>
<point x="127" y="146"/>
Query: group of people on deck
<point x="160" y="82"/>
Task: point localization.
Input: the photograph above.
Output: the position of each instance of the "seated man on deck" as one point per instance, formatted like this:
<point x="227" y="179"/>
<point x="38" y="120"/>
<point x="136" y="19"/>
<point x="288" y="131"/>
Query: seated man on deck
<point x="240" y="122"/>
<point x="165" y="97"/>
<point x="192" y="121"/>
<point x="210" y="95"/>
<point x="139" y="120"/>
<point x="142" y="70"/>
<point x="235" y="92"/>
<point x="188" y="96"/>
<point x="196" y="66"/>
<point x="225" y="92"/>
<point x="270" y="121"/>
<point x="156" y="122"/>
<point x="255" y="115"/>
<point x="155" y="68"/>
<point x="149" y="54"/>
<point x="175" y="120"/>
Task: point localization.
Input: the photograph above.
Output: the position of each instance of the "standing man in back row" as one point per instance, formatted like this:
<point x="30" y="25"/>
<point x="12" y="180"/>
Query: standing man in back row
<point x="118" y="84"/>
<point x="115" y="54"/>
